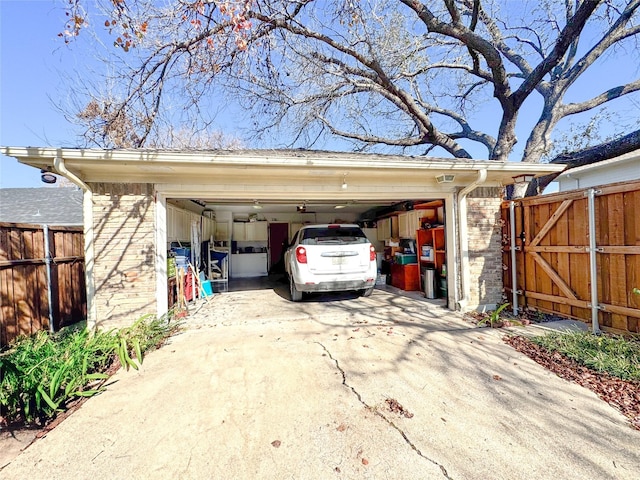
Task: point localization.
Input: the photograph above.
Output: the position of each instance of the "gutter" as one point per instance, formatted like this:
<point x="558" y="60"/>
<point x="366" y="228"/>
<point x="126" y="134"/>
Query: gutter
<point x="465" y="276"/>
<point x="149" y="159"/>
<point x="89" y="255"/>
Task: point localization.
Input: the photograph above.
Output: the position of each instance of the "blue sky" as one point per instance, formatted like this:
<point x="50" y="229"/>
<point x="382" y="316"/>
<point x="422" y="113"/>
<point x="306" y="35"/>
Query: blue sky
<point x="35" y="70"/>
<point x="35" y="62"/>
<point x="35" y="66"/>
<point x="31" y="55"/>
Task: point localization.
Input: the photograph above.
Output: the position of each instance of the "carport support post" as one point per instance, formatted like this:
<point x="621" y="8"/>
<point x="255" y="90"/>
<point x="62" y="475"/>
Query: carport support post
<point x="591" y="194"/>
<point x="162" y="301"/>
<point x="514" y="273"/>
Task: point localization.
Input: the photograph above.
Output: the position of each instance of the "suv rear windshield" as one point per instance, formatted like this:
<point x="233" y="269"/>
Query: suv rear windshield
<point x="332" y="235"/>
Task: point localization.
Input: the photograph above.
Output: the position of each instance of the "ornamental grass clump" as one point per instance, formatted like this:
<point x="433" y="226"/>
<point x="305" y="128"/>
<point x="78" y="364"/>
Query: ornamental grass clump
<point x="612" y="354"/>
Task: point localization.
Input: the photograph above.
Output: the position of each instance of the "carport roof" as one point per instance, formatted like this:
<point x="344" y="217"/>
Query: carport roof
<point x="161" y="166"/>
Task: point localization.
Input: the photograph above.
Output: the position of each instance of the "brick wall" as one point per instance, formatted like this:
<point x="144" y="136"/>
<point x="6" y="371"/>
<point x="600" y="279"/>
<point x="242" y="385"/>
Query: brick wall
<point x="124" y="249"/>
<point x="485" y="246"/>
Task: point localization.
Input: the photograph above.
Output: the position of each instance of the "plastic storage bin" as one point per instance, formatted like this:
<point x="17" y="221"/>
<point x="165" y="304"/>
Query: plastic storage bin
<point x="406" y="258"/>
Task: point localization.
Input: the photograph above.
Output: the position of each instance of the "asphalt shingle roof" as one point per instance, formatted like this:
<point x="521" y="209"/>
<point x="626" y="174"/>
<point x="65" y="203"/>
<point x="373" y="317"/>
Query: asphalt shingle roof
<point x="59" y="206"/>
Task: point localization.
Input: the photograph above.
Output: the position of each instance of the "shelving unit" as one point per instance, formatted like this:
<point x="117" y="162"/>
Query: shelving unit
<point x="434" y="238"/>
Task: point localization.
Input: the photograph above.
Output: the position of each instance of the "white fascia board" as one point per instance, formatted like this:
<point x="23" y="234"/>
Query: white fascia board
<point x="633" y="157"/>
<point x="37" y="156"/>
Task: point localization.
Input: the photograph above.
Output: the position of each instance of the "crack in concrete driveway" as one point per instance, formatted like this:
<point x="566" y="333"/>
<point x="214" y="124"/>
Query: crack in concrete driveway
<point x="377" y="412"/>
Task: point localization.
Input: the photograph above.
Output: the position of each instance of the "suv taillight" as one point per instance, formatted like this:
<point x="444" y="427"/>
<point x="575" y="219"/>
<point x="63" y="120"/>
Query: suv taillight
<point x="372" y="253"/>
<point x="301" y="255"/>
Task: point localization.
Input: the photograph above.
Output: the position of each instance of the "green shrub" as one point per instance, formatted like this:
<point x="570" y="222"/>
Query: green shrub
<point x="40" y="374"/>
<point x="492" y="319"/>
<point x="145" y="334"/>
<point x="616" y="355"/>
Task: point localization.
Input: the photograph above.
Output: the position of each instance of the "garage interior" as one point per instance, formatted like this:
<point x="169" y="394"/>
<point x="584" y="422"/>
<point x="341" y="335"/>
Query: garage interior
<point x="239" y="245"/>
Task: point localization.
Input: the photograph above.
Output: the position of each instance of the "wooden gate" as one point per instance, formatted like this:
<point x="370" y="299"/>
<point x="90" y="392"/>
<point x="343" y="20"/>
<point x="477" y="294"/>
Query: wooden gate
<point x="24" y="307"/>
<point x="553" y="269"/>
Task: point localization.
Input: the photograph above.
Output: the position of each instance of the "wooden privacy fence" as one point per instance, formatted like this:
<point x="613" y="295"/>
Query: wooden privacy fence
<point x="25" y="266"/>
<point x="565" y="265"/>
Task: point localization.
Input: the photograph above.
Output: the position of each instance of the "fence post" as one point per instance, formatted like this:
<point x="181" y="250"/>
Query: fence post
<point x="595" y="326"/>
<point x="514" y="273"/>
<point x="47" y="261"/>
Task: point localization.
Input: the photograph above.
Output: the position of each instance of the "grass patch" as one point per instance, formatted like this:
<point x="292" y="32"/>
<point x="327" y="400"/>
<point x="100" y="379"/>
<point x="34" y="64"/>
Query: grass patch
<point x="612" y="354"/>
<point x="42" y="373"/>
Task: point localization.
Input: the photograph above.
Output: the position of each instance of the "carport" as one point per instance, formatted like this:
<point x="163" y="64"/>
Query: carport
<point x="127" y="194"/>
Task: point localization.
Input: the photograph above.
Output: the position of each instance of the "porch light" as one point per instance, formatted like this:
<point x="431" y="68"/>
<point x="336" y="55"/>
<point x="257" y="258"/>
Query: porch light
<point x="344" y="182"/>
<point x="445" y="178"/>
<point x="523" y="178"/>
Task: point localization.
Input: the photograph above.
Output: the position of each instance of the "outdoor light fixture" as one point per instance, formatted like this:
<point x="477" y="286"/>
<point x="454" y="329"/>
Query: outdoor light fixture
<point x="256" y="205"/>
<point x="523" y="178"/>
<point x="47" y="177"/>
<point x="344" y="181"/>
<point x="445" y="178"/>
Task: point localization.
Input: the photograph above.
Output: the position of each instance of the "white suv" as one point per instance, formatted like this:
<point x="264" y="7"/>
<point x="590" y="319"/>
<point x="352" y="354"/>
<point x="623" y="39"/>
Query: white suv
<point x="330" y="258"/>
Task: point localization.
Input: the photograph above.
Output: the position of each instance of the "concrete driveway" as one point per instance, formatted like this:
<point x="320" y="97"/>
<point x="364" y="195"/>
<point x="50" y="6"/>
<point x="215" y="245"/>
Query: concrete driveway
<point x="337" y="387"/>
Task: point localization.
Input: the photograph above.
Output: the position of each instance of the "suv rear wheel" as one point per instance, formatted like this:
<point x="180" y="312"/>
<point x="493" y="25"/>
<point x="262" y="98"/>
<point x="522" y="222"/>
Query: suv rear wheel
<point x="367" y="292"/>
<point x="296" y="295"/>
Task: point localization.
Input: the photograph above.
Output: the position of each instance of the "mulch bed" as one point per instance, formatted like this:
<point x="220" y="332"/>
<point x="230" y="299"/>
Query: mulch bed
<point x="621" y="394"/>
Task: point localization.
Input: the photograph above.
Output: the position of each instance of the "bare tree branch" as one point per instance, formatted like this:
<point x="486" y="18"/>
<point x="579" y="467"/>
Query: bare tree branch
<point x="471" y="40"/>
<point x="611" y="94"/>
<point x="615" y="34"/>
<point x="410" y="74"/>
<point x="565" y="39"/>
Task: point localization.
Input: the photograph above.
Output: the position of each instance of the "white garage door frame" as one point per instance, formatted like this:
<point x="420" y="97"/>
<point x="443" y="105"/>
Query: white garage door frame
<point x="179" y="191"/>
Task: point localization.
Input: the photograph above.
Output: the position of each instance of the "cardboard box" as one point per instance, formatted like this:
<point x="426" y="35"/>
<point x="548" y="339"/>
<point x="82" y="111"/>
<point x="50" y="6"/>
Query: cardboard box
<point x="390" y="252"/>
